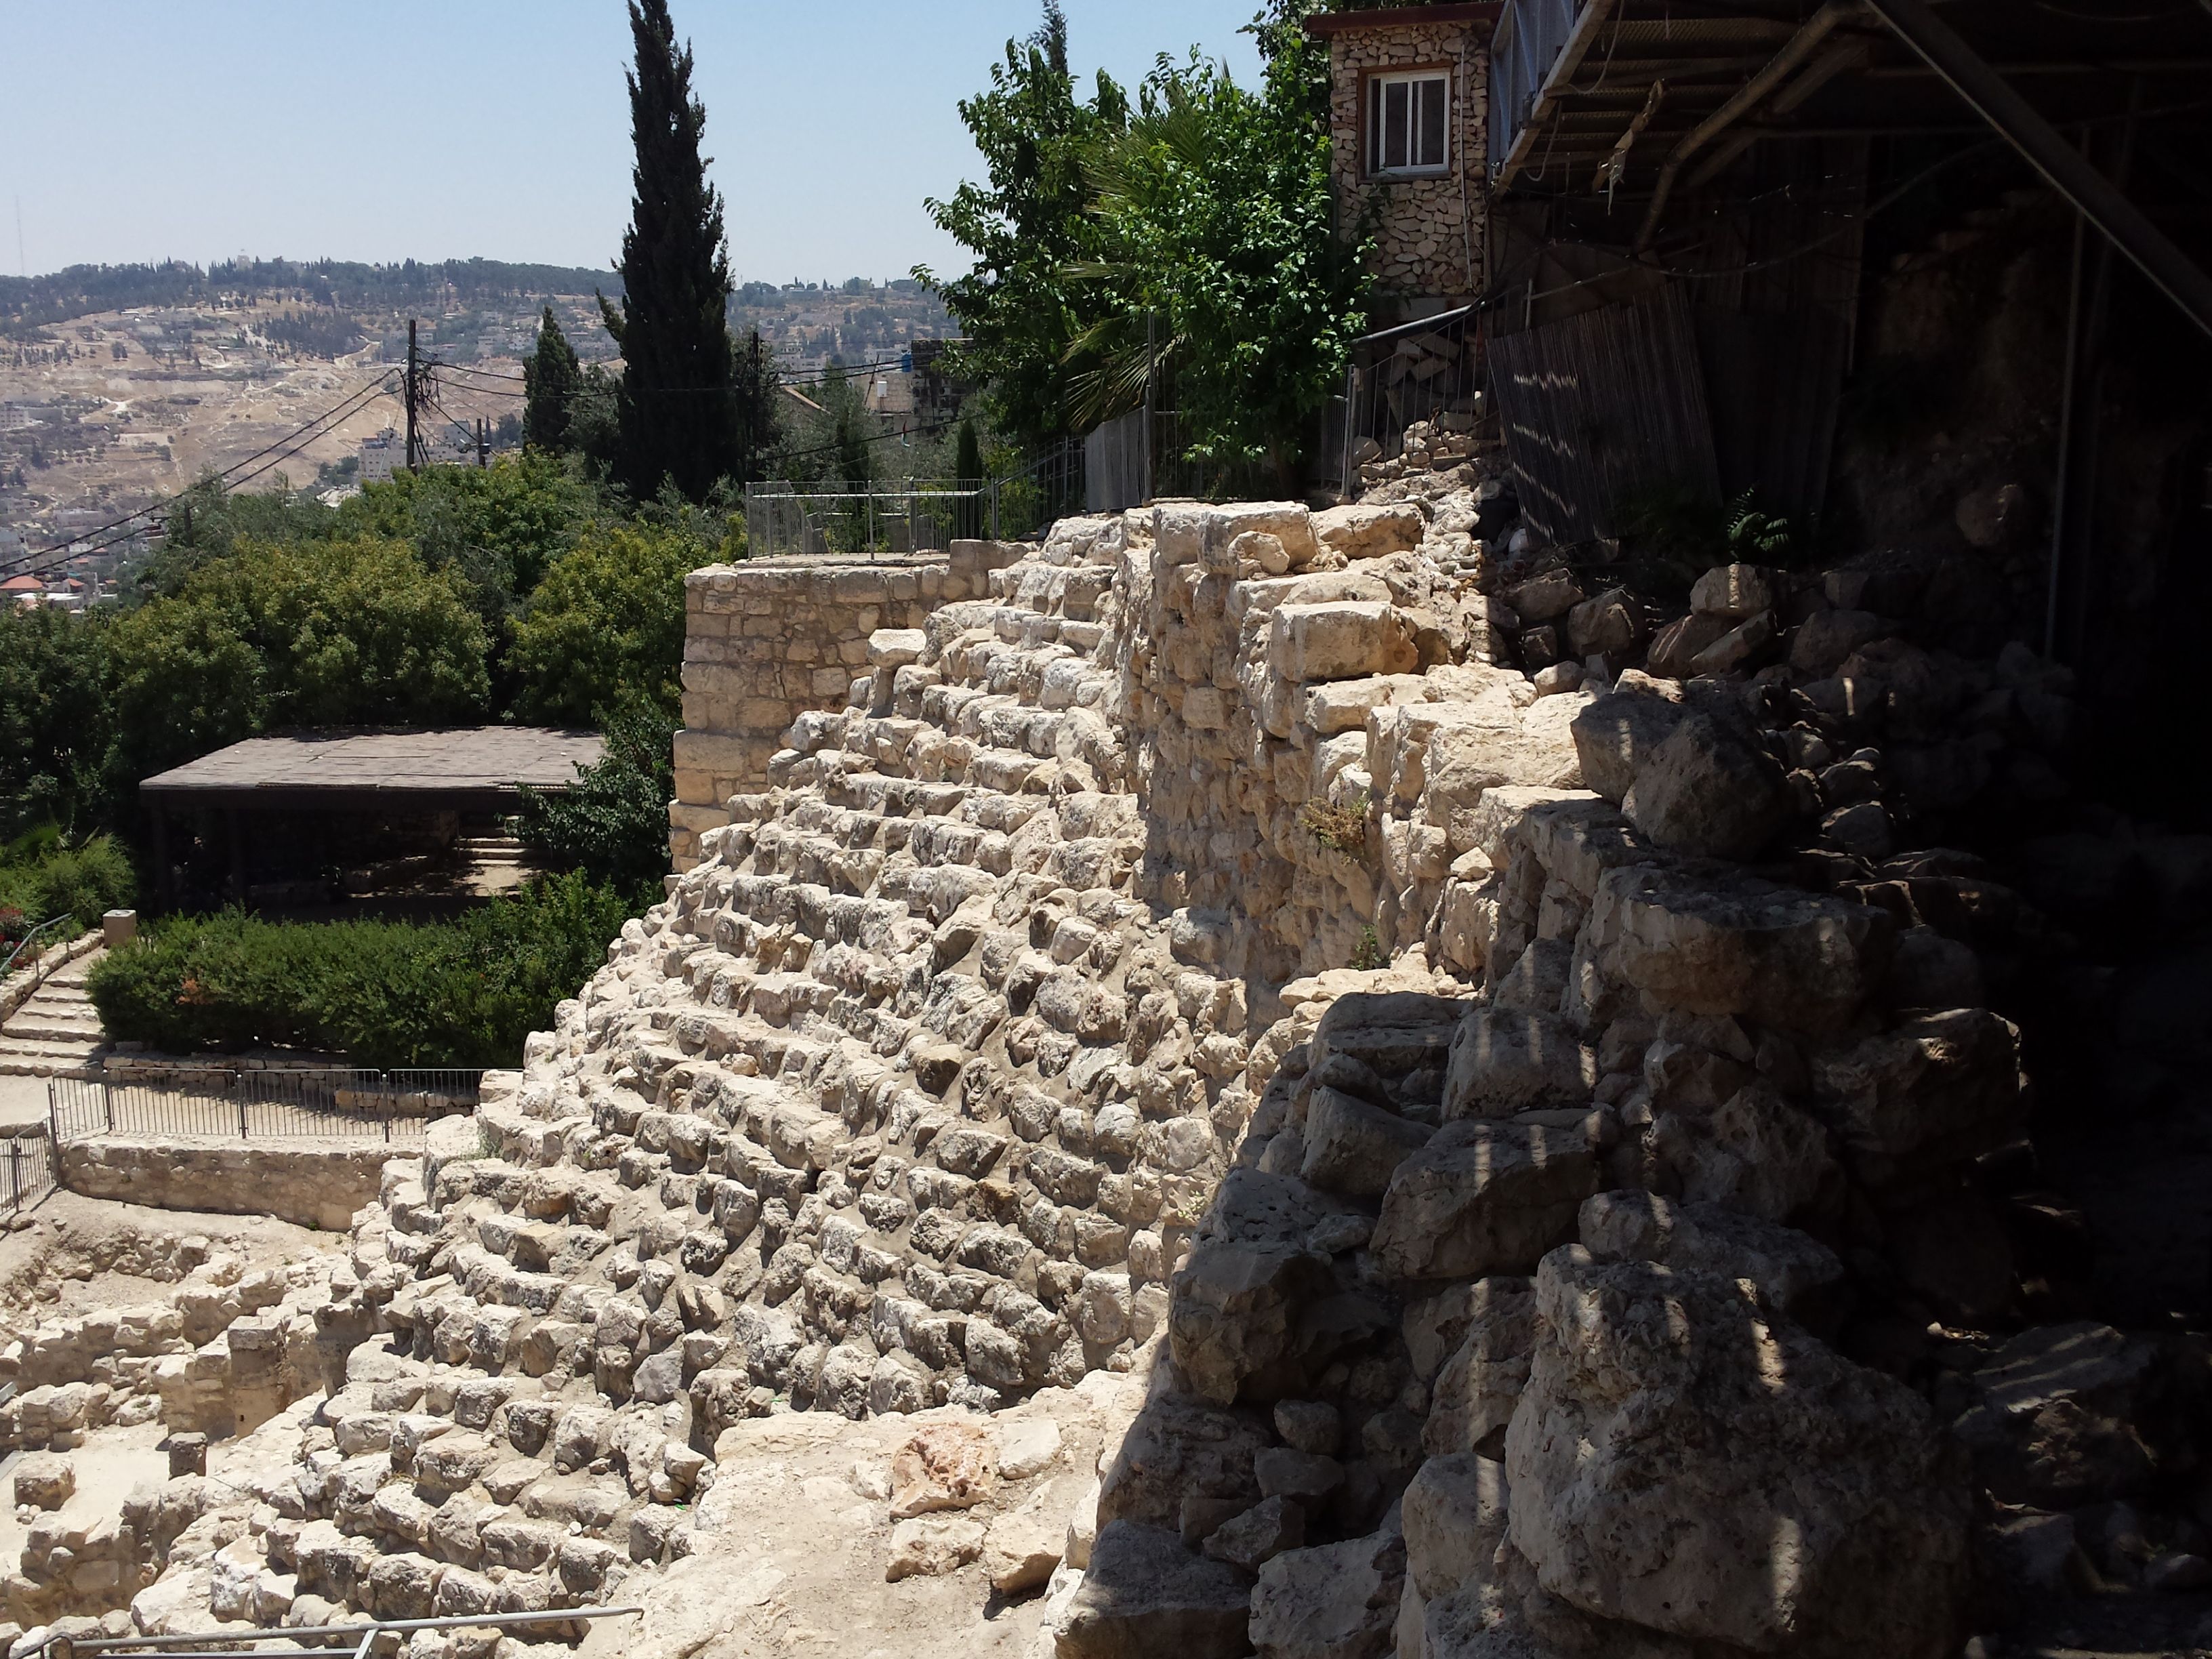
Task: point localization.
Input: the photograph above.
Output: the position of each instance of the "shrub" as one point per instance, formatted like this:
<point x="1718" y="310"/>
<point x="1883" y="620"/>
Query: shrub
<point x="612" y="823"/>
<point x="83" y="881"/>
<point x="383" y="993"/>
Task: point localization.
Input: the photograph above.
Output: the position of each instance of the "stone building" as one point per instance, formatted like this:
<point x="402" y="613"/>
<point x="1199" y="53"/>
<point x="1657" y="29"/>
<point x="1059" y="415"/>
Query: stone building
<point x="1408" y="115"/>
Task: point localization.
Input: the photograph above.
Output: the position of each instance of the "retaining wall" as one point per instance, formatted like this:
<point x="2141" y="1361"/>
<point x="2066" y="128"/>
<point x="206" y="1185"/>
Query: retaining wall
<point x="307" y="1184"/>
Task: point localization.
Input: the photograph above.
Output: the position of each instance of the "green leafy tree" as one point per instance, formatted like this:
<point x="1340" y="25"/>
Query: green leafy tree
<point x="679" y="412"/>
<point x="1025" y="227"/>
<point x="551" y="375"/>
<point x="497" y="528"/>
<point x="54" y="718"/>
<point x="1216" y="220"/>
<point x="606" y="625"/>
<point x="613" y="823"/>
<point x="353" y="632"/>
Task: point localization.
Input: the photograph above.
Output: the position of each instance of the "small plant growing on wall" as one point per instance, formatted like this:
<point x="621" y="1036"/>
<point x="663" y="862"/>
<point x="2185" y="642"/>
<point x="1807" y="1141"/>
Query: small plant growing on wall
<point x="1368" y="955"/>
<point x="1341" y="829"/>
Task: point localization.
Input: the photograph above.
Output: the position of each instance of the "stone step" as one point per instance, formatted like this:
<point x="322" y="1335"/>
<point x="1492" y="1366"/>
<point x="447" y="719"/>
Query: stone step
<point x="27" y="1027"/>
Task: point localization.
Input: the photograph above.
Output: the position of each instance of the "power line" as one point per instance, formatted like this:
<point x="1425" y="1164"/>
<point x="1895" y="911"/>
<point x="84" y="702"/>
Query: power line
<point x="45" y="559"/>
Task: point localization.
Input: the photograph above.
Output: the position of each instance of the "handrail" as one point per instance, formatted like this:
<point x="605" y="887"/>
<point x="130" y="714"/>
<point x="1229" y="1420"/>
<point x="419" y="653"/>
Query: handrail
<point x="198" y="1643"/>
<point x="24" y="944"/>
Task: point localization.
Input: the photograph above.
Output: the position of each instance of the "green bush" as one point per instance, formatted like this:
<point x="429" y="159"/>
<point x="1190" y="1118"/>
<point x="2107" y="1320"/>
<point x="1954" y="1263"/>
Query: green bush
<point x="84" y="881"/>
<point x="382" y="993"/>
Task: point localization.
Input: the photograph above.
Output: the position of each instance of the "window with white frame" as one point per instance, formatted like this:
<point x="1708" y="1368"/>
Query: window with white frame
<point x="1408" y="123"/>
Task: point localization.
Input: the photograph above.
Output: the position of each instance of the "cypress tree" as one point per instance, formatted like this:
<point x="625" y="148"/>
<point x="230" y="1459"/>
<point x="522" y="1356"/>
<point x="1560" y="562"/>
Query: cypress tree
<point x="680" y="421"/>
<point x="551" y="376"/>
<point x="967" y="474"/>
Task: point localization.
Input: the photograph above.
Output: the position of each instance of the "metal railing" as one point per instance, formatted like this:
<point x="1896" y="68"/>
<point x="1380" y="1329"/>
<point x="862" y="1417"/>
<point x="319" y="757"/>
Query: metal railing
<point x="24" y="943"/>
<point x="261" y="1104"/>
<point x="786" y="520"/>
<point x="28" y="1171"/>
<point x="1430" y="370"/>
<point x="790" y="520"/>
<point x="361" y="1639"/>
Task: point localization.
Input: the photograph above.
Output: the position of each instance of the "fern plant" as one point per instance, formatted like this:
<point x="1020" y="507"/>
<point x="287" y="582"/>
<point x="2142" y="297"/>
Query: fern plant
<point x="1754" y="537"/>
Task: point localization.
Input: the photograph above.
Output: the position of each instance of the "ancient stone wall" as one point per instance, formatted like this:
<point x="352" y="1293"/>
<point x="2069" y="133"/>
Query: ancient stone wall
<point x="308" y="1184"/>
<point x="1519" y="1135"/>
<point x="1431" y="232"/>
<point x="764" y="643"/>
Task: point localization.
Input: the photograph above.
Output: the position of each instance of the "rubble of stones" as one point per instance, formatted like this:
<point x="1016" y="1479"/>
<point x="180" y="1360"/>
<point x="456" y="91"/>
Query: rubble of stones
<point x="1518" y="1136"/>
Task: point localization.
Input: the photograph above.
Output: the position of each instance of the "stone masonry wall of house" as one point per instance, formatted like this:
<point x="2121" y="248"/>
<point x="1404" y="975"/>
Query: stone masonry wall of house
<point x="1431" y="233"/>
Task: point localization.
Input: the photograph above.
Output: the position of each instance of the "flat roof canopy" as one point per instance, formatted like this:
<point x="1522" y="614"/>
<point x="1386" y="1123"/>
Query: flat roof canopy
<point x="468" y="768"/>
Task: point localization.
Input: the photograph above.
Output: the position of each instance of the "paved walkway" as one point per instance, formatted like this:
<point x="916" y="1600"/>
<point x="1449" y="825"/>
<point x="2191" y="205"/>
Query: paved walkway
<point x="55" y="1032"/>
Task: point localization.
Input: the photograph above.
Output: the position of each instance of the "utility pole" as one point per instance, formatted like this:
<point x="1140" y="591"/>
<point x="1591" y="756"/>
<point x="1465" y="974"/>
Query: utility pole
<point x="413" y="369"/>
<point x="483" y="444"/>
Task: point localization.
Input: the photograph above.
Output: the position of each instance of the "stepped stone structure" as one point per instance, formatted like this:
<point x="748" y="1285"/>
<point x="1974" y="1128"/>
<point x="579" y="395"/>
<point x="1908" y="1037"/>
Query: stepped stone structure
<point x="1188" y="990"/>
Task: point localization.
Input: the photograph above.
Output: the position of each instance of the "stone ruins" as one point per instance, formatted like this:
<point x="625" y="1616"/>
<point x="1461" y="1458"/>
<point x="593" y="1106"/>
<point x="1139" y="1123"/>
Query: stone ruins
<point x="1254" y="1081"/>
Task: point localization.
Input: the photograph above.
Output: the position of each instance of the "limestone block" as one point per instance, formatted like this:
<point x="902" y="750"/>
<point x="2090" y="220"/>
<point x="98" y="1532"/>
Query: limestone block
<point x="1483" y="1198"/>
<point x="1362" y="532"/>
<point x="933" y="1546"/>
<point x="1733" y="591"/>
<point x="1332" y="1599"/>
<point x="1504" y="1061"/>
<point x="1734" y="945"/>
<point x="1796" y="1273"/>
<point x="1710" y="790"/>
<point x="1680" y="1463"/>
<point x="1477" y="1387"/>
<point x="947" y="1466"/>
<point x="1931" y="1093"/>
<point x="1348" y="639"/>
<point x="1455" y="1516"/>
<point x="1353" y="1146"/>
<point x="44" y="1480"/>
<point x="1144" y="1594"/>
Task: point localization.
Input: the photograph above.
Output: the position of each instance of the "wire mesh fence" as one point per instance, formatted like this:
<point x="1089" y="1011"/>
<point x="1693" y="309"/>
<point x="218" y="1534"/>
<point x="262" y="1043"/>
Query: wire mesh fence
<point x="793" y="520"/>
<point x="892" y="517"/>
<point x="256" y="1104"/>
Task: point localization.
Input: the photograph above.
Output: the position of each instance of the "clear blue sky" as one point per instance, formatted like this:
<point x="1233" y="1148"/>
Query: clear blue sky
<point x="143" y="129"/>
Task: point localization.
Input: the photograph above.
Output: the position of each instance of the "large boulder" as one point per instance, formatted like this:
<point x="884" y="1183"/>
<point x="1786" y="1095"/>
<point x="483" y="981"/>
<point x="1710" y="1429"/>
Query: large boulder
<point x="1480" y="1384"/>
<point x="1362" y="531"/>
<point x="1454" y="1519"/>
<point x="1353" y="1146"/>
<point x="1236" y="1318"/>
<point x="1144" y="1595"/>
<point x="1483" y="1198"/>
<point x="2071" y="1414"/>
<point x="1683" y="1462"/>
<point x="1754" y="1152"/>
<point x="1710" y="790"/>
<point x="1180" y="1448"/>
<point x="1616" y="733"/>
<point x="1333" y="1602"/>
<point x="1798" y="1274"/>
<point x="1927" y="1095"/>
<point x="1735" y="945"/>
<point x="1504" y="1061"/>
<point x="1345" y="639"/>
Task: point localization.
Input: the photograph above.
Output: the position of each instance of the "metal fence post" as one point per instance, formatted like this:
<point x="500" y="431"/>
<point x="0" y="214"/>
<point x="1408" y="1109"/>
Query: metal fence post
<point x="107" y="1103"/>
<point x="238" y="1083"/>
<point x="15" y="1173"/>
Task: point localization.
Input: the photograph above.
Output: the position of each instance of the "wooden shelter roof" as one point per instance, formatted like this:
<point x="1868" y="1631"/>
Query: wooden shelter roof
<point x="460" y="768"/>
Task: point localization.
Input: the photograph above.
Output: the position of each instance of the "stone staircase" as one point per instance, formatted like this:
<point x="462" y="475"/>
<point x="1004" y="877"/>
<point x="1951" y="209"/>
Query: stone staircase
<point x="58" y="1031"/>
